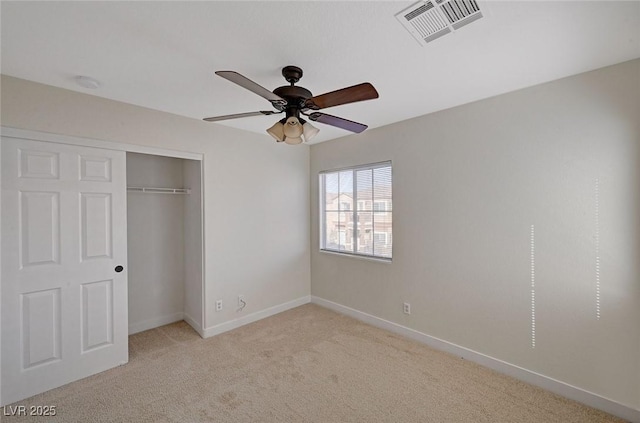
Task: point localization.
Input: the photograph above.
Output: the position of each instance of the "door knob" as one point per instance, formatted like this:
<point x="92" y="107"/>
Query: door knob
<point x="119" y="268"/>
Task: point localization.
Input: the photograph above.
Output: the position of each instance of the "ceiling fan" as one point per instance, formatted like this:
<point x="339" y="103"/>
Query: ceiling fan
<point x="295" y="101"/>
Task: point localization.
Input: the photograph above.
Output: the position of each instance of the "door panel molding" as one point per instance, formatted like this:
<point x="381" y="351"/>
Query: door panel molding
<point x="96" y="225"/>
<point x="40" y="334"/>
<point x="39" y="214"/>
<point x="97" y="314"/>
<point x="38" y="164"/>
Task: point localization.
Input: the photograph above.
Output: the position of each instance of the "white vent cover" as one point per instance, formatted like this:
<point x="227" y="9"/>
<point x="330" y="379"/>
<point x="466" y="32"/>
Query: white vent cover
<point x="428" y="20"/>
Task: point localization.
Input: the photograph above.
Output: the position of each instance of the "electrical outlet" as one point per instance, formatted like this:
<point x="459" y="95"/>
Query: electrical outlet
<point x="218" y="305"/>
<point x="241" y="302"/>
<point x="406" y="308"/>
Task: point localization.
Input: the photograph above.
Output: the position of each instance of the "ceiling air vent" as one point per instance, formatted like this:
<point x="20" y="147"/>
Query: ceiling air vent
<point x="428" y="20"/>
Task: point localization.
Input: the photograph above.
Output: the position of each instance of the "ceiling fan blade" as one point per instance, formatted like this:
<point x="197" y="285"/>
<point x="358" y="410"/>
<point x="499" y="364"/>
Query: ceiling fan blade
<point x="240" y="115"/>
<point x="248" y="84"/>
<point x="360" y="92"/>
<point x="339" y="122"/>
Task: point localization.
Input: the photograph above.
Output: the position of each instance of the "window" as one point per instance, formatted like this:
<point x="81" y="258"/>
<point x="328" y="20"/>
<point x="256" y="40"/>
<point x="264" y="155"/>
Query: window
<point x="356" y="210"/>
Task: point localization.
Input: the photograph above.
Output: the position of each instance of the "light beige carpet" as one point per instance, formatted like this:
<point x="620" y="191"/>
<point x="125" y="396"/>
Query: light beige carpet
<point x="308" y="364"/>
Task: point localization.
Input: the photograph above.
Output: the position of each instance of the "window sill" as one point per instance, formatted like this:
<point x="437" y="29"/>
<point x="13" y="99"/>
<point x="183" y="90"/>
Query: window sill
<point x="357" y="256"/>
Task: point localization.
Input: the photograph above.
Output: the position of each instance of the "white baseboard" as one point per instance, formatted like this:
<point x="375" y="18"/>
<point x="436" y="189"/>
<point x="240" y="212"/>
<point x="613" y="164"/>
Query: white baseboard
<point x="545" y="382"/>
<point x="253" y="317"/>
<point x="155" y="322"/>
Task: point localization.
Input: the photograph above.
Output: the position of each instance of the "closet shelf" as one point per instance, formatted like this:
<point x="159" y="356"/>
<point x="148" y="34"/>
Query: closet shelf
<point x="149" y="190"/>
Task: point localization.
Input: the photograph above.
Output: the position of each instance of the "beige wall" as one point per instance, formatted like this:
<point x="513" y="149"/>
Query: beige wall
<point x="469" y="183"/>
<point x="248" y="180"/>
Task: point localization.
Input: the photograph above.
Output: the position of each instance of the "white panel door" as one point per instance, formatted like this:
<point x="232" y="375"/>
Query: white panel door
<point x="64" y="236"/>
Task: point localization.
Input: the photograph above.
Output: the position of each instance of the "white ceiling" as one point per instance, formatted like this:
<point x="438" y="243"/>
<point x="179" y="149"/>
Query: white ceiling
<point x="162" y="55"/>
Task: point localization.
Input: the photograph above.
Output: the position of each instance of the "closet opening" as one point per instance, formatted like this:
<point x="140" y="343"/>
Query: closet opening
<point x="164" y="241"/>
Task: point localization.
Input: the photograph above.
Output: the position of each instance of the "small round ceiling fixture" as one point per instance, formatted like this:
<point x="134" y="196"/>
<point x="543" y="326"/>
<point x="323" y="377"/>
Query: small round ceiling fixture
<point x="87" y="82"/>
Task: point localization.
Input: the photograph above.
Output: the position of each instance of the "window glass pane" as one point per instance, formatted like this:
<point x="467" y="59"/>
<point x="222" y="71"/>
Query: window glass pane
<point x="331" y="191"/>
<point x="365" y="232"/>
<point x="364" y="185"/>
<point x="382" y="218"/>
<point x="346" y="190"/>
<point x="382" y="187"/>
<point x="380" y="205"/>
<point x="346" y="240"/>
<point x="382" y="236"/>
<point x="347" y="227"/>
<point x="332" y="229"/>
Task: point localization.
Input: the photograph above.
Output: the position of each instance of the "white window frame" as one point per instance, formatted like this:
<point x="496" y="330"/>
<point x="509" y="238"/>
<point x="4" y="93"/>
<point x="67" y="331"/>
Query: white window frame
<point x="354" y="211"/>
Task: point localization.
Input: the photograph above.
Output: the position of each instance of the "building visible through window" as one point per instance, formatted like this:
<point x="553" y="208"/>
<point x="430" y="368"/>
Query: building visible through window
<point x="356" y="210"/>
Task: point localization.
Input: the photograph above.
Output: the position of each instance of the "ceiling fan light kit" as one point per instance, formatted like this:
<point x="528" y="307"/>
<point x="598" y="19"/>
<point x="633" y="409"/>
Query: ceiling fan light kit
<point x="292" y="127"/>
<point x="292" y="130"/>
<point x="308" y="130"/>
<point x="277" y="131"/>
<point x="295" y="100"/>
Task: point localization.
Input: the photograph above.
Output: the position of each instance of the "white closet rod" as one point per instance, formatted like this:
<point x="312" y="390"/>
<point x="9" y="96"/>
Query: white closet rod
<point x="148" y="190"/>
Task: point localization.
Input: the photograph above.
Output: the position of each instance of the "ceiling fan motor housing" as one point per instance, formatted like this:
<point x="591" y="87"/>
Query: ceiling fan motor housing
<point x="295" y="96"/>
